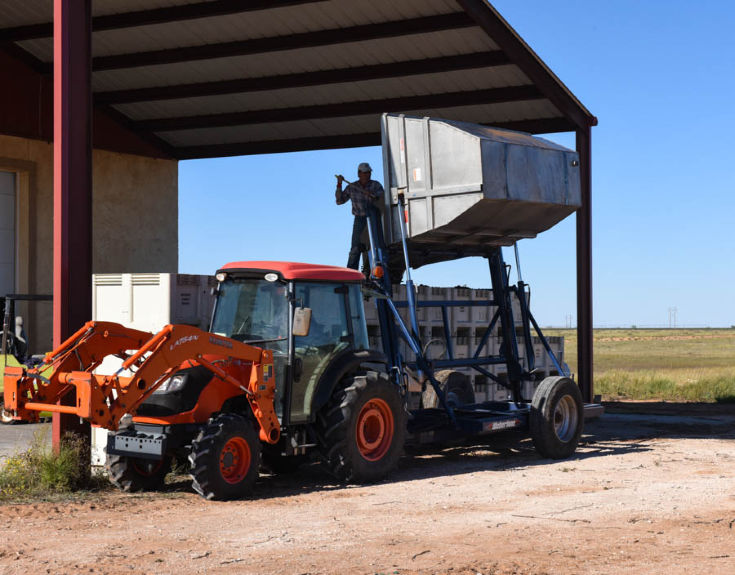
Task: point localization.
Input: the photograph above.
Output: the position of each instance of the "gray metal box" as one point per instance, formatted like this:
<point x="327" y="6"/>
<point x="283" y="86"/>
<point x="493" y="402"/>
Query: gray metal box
<point x="470" y="188"/>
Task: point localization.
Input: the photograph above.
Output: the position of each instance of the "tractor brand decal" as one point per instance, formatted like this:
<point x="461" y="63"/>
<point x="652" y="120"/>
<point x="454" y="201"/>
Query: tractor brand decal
<point x="183" y="340"/>
<point x="222" y="342"/>
<point x="267" y="371"/>
<point x="504" y="424"/>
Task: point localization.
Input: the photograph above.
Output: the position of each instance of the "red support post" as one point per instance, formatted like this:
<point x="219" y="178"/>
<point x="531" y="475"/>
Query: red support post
<point x="72" y="178"/>
<point x="584" y="267"/>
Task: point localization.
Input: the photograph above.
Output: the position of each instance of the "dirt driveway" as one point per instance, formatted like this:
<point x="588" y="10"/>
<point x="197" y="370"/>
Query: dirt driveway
<point x="645" y="494"/>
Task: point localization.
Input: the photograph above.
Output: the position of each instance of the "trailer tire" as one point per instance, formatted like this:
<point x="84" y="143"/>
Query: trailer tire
<point x="136" y="474"/>
<point x="362" y="429"/>
<point x="456" y="387"/>
<point x="557" y="417"/>
<point x="225" y="458"/>
<point x="6" y="418"/>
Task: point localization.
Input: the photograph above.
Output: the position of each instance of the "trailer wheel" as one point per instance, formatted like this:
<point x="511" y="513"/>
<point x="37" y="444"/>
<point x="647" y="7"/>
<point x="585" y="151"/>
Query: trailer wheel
<point x="456" y="387"/>
<point x="137" y="474"/>
<point x="225" y="458"/>
<point x="363" y="428"/>
<point x="557" y="417"/>
<point x="6" y="418"/>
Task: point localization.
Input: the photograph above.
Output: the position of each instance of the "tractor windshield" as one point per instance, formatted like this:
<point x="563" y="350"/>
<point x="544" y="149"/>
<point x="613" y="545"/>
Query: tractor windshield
<point x="252" y="311"/>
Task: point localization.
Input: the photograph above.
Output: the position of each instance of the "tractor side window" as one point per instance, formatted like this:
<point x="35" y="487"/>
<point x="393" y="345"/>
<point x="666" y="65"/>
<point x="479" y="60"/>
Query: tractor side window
<point x="357" y="315"/>
<point x="328" y="336"/>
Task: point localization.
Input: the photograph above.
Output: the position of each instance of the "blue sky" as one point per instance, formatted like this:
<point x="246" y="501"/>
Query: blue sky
<point x="660" y="78"/>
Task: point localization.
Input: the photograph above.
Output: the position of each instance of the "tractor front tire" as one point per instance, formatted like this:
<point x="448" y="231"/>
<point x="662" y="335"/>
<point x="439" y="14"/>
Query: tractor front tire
<point x="225" y="458"/>
<point x="363" y="428"/>
<point x="557" y="417"/>
<point x="137" y="474"/>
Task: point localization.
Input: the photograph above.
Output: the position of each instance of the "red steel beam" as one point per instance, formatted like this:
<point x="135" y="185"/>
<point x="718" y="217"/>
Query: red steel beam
<point x="584" y="267"/>
<point x="72" y="179"/>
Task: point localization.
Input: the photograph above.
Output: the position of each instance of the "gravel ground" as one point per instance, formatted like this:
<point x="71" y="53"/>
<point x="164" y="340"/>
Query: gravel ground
<point x="644" y="494"/>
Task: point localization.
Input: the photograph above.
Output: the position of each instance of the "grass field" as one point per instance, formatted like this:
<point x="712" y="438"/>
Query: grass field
<point x="661" y="364"/>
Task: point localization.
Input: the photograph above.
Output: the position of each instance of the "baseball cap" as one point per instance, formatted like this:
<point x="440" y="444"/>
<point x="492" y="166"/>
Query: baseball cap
<point x="364" y="167"/>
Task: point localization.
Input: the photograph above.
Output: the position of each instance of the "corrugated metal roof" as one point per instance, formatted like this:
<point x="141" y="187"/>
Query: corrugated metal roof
<point x="495" y="113"/>
<point x="329" y="94"/>
<point x="348" y="55"/>
<point x="288" y="39"/>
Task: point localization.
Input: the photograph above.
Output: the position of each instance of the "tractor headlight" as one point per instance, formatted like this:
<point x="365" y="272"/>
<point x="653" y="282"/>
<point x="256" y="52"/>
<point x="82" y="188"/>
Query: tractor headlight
<point x="172" y="384"/>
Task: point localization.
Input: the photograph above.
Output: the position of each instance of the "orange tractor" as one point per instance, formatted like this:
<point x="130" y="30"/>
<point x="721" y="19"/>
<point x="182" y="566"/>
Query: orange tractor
<point x="284" y="371"/>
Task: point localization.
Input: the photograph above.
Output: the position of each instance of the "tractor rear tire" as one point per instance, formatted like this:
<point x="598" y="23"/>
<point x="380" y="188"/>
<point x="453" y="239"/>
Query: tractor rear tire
<point x="362" y="429"/>
<point x="557" y="417"/>
<point x="456" y="387"/>
<point x="225" y="458"/>
<point x="137" y="474"/>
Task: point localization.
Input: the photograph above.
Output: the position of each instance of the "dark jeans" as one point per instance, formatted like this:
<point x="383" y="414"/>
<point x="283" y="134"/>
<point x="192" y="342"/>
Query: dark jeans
<point x="356" y="248"/>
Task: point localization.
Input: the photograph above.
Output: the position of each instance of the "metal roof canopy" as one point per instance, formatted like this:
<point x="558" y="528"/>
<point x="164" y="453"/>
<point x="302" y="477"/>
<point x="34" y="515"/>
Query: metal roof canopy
<point x="198" y="79"/>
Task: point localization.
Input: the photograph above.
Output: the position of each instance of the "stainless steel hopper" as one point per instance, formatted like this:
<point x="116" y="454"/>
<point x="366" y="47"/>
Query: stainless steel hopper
<point x="469" y="188"/>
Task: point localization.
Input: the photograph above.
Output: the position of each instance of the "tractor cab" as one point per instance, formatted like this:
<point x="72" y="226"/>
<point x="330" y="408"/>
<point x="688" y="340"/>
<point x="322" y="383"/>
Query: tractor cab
<point x="310" y="316"/>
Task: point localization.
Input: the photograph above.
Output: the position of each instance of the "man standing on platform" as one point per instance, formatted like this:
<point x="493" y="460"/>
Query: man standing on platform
<point x="365" y="195"/>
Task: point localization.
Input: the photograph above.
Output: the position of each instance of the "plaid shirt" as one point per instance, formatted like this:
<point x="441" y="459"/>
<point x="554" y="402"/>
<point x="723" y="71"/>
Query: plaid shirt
<point x="361" y="197"/>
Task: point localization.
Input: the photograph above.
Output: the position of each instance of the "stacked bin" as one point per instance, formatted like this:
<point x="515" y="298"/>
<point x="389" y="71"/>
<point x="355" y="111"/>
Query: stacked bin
<point x="467" y="325"/>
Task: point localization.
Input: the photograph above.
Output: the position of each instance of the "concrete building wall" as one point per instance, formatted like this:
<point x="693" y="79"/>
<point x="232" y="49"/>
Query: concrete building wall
<point x="135" y="220"/>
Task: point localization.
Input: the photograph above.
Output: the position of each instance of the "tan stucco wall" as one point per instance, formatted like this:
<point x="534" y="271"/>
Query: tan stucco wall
<point x="135" y="220"/>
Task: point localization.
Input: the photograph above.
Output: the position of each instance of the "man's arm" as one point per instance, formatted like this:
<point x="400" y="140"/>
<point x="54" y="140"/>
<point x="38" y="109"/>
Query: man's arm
<point x="341" y="196"/>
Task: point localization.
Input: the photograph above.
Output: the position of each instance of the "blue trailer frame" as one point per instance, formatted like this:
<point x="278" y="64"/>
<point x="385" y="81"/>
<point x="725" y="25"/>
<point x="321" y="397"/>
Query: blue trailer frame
<point x="458" y="420"/>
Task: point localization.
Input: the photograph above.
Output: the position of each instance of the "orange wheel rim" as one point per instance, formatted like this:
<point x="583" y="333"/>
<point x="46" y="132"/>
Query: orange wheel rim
<point x="234" y="460"/>
<point x="374" y="430"/>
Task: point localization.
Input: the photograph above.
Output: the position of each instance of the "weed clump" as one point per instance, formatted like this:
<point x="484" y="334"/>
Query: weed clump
<point x="40" y="471"/>
<point x="620" y="384"/>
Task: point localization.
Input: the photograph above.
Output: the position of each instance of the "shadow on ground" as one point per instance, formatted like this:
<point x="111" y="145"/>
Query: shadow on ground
<point x="613" y="434"/>
<point x="625" y="428"/>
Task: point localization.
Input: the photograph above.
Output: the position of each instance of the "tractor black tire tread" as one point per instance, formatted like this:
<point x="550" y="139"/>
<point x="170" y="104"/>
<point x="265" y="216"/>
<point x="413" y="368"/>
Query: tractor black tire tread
<point x="123" y="475"/>
<point x="541" y="419"/>
<point x="204" y="457"/>
<point x="335" y="427"/>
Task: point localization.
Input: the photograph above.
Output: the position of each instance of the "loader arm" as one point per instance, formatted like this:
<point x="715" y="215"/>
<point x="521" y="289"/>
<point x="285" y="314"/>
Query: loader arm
<point x="104" y="399"/>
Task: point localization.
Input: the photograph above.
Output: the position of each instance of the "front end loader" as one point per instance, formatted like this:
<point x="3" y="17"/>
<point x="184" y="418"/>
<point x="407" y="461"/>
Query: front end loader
<point x="234" y="407"/>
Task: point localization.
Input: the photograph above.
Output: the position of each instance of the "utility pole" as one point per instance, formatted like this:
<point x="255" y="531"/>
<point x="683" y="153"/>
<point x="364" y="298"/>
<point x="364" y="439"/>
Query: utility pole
<point x="672" y="317"/>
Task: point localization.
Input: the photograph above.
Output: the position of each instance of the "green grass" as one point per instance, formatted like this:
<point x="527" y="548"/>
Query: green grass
<point x="660" y="364"/>
<point x="41" y="472"/>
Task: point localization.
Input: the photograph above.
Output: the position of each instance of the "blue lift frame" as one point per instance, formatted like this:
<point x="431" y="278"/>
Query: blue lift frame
<point x="479" y="418"/>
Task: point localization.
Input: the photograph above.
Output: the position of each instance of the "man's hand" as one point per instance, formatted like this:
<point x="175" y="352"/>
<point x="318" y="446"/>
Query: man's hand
<point x="340" y="179"/>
